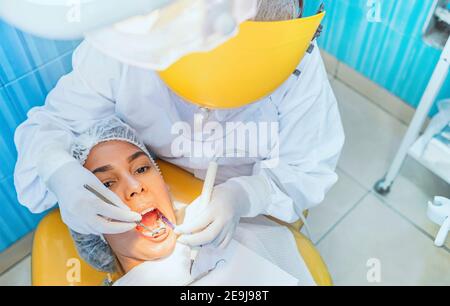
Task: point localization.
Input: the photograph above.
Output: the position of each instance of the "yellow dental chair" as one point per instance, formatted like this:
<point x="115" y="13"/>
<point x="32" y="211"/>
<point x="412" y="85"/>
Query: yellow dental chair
<point x="55" y="261"/>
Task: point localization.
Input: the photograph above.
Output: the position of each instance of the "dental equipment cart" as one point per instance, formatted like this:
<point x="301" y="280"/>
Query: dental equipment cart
<point x="441" y="16"/>
<point x="437" y="34"/>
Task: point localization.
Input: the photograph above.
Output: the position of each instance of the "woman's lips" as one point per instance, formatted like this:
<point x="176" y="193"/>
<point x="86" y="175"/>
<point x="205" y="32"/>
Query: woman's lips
<point x="160" y="237"/>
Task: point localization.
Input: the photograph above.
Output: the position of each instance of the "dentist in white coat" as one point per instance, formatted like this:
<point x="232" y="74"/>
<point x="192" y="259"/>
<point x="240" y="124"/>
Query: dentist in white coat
<point x="310" y="141"/>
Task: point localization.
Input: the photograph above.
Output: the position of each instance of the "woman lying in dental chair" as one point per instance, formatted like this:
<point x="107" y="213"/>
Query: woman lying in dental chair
<point x="112" y="151"/>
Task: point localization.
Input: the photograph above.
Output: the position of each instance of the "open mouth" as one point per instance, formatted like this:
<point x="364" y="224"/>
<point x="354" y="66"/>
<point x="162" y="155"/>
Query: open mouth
<point x="154" y="221"/>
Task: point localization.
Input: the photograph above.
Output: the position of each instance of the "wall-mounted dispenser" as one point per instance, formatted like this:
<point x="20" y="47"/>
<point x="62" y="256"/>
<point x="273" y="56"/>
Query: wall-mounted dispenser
<point x="437" y="27"/>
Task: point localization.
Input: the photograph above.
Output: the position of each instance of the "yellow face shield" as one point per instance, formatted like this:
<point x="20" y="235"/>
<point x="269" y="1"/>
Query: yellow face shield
<point x="246" y="68"/>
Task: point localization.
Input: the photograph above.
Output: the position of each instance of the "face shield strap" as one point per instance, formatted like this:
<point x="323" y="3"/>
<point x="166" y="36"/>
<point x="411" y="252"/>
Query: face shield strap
<point x="318" y="32"/>
<point x="301" y="8"/>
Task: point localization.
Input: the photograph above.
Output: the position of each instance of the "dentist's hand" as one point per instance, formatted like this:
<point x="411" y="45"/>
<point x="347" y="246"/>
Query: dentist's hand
<point x="82" y="211"/>
<point x="214" y="222"/>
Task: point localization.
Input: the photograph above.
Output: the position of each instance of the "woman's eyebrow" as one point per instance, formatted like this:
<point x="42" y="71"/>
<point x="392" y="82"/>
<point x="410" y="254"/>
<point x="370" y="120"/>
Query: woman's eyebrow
<point x="135" y="156"/>
<point x="103" y="169"/>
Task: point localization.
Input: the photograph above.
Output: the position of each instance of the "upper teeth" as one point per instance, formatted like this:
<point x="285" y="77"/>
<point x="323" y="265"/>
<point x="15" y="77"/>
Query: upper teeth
<point x="147" y="211"/>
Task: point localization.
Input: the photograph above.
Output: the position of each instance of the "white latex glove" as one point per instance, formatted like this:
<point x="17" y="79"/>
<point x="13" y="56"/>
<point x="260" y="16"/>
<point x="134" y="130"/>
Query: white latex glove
<point x="82" y="211"/>
<point x="214" y="222"/>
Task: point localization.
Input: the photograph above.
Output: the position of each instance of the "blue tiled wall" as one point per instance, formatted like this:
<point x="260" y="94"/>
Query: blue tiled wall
<point x="391" y="53"/>
<point x="29" y="68"/>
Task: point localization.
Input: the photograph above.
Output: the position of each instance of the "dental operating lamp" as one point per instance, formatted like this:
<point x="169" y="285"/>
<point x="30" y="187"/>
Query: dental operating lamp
<point x="152" y="34"/>
<point x="72" y="19"/>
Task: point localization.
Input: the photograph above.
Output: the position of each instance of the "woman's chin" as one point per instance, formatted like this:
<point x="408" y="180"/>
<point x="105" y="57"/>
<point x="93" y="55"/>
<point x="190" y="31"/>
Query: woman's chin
<point x="160" y="249"/>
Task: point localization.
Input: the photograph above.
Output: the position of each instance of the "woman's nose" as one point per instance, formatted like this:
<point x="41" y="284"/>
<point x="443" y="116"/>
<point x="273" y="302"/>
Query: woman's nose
<point x="134" y="188"/>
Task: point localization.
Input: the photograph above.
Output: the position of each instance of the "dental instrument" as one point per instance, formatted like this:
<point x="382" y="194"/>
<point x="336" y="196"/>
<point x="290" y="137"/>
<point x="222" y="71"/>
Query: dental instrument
<point x="107" y="201"/>
<point x="202" y="275"/>
<point x="208" y="184"/>
<point x="205" y="196"/>
<point x="166" y="221"/>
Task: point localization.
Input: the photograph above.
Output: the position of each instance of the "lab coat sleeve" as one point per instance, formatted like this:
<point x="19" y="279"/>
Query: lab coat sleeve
<point x="299" y="174"/>
<point x="43" y="140"/>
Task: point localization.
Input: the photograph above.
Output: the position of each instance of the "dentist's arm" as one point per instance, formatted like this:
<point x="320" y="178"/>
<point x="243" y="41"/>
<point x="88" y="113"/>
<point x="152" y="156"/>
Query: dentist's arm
<point x="311" y="140"/>
<point x="296" y="178"/>
<point x="45" y="172"/>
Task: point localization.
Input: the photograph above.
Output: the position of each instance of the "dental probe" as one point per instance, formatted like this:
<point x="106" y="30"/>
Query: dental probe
<point x="107" y="201"/>
<point x="205" y="197"/>
<point x="166" y="221"/>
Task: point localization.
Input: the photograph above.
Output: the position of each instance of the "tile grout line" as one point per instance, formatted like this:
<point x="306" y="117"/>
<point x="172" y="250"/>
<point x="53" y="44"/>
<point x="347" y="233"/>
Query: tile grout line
<point x="366" y="192"/>
<point x="336" y="69"/>
<point x="354" y="179"/>
<point x="15" y="265"/>
<point x="350" y="87"/>
<point x="417" y="227"/>
<point x="327" y="58"/>
<point x="35" y="69"/>
<point x="342" y="218"/>
<point x="370" y="191"/>
<point x="16" y="252"/>
<point x="355" y="90"/>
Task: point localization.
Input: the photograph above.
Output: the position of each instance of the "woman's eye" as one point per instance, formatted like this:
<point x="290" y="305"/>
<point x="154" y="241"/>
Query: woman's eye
<point x="108" y="184"/>
<point x="142" y="170"/>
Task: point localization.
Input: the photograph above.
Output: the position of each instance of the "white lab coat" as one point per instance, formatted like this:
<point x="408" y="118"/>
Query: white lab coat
<point x="310" y="130"/>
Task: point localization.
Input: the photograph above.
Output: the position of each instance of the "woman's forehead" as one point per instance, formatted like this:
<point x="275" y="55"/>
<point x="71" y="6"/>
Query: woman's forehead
<point x="111" y="152"/>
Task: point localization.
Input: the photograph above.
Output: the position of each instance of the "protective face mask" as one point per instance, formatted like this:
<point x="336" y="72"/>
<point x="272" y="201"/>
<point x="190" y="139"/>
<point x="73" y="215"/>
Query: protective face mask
<point x="157" y="40"/>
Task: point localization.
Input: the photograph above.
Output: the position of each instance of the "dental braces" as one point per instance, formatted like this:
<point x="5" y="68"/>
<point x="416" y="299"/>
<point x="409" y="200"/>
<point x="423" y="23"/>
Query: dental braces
<point x="163" y="223"/>
<point x="162" y="227"/>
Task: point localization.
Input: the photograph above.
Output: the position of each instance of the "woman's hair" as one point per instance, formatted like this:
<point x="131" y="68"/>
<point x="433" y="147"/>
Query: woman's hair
<point x="108" y="129"/>
<point x="95" y="251"/>
<point x="277" y="10"/>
